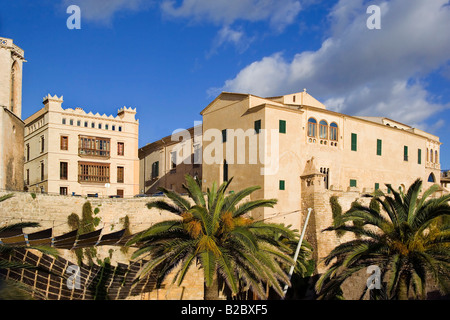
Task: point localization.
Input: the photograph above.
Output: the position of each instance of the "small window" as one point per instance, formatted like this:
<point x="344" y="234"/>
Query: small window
<point x="282" y="126"/>
<point x="63" y="191"/>
<point x="312" y="127"/>
<point x="377" y="186"/>
<point x="93" y="125"/>
<point x="120" y="148"/>
<point x="419" y="156"/>
<point x="436" y="159"/>
<point x="120" y="174"/>
<point x="379" y="147"/>
<point x="173" y="160"/>
<point x="155" y="169"/>
<point x="323" y="129"/>
<point x="113" y="128"/>
<point x="354" y="142"/>
<point x="63" y="166"/>
<point x="85" y="124"/>
<point x="282" y="185"/>
<point x="106" y="127"/>
<point x="63" y="120"/>
<point x="78" y="123"/>
<point x="333" y="131"/>
<point x="64" y="143"/>
<point x="224" y="135"/>
<point x="120" y="128"/>
<point x="71" y="122"/>
<point x="257" y="126"/>
<point x="353" y="183"/>
<point x="42" y="144"/>
<point x="405" y="153"/>
<point x="225" y="171"/>
<point x="99" y="125"/>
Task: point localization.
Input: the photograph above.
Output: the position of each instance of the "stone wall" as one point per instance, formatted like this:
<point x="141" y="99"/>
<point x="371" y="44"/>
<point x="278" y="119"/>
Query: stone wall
<point x="52" y="211"/>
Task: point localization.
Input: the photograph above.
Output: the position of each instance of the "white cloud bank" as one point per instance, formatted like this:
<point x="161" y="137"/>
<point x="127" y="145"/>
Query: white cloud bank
<point x="360" y="71"/>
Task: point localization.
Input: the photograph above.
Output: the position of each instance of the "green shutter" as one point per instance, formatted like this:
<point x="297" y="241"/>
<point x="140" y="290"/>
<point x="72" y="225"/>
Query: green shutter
<point x="419" y="156"/>
<point x="379" y="146"/>
<point x="377" y="186"/>
<point x="405" y="153"/>
<point x="282" y="126"/>
<point x="352" y="183"/>
<point x="354" y="141"/>
<point x="224" y="135"/>
<point x="257" y="126"/>
<point x="282" y="185"/>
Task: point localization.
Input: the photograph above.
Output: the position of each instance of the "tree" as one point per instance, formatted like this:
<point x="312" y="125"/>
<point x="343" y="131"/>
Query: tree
<point x="215" y="230"/>
<point x="408" y="239"/>
<point x="9" y="289"/>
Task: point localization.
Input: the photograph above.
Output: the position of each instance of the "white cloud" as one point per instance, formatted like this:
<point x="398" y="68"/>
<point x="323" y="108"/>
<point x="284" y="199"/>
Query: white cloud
<point x="362" y="71"/>
<point x="279" y="13"/>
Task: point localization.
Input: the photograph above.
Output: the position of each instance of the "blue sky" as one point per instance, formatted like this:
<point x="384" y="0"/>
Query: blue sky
<point x="169" y="59"/>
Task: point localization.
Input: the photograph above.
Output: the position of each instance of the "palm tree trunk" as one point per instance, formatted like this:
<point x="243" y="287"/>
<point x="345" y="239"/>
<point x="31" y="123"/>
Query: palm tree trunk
<point x="212" y="292"/>
<point x="402" y="288"/>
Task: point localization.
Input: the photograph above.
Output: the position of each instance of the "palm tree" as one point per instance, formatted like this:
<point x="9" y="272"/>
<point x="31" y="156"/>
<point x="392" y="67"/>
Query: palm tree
<point x="12" y="289"/>
<point x="215" y="231"/>
<point x="409" y="240"/>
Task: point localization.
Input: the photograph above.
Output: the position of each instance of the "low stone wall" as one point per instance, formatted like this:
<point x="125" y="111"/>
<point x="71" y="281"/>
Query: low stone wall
<point x="52" y="211"/>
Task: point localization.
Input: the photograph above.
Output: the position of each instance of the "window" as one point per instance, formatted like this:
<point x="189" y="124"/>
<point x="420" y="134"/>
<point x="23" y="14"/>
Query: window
<point x="120" y="128"/>
<point x="377" y="186"/>
<point x="405" y="153"/>
<point x="93" y="125"/>
<point x="64" y="144"/>
<point x="379" y="146"/>
<point x="113" y="128"/>
<point x="312" y="127"/>
<point x="197" y="155"/>
<point x="155" y="169"/>
<point x="431" y="155"/>
<point x="42" y="143"/>
<point x="63" y="166"/>
<point x="120" y="174"/>
<point x="354" y="142"/>
<point x="106" y="126"/>
<point x="27" y="177"/>
<point x="282" y="126"/>
<point x="63" y="191"/>
<point x="224" y="135"/>
<point x="333" y="131"/>
<point x="71" y="122"/>
<point x="28" y="152"/>
<point x="120" y="148"/>
<point x="78" y="123"/>
<point x="436" y="160"/>
<point x="99" y="125"/>
<point x="120" y="193"/>
<point x="419" y="156"/>
<point x="431" y="178"/>
<point x="225" y="171"/>
<point x="282" y="185"/>
<point x="323" y="129"/>
<point x="173" y="160"/>
<point x="389" y="186"/>
<point x="42" y="171"/>
<point x="353" y="183"/>
<point x="85" y="124"/>
<point x="63" y="120"/>
<point x="257" y="126"/>
<point x="93" y="172"/>
<point x="93" y="146"/>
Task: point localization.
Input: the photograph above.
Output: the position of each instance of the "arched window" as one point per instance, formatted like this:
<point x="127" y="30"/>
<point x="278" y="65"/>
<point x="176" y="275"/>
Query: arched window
<point x="312" y="127"/>
<point x="431" y="156"/>
<point x="225" y="171"/>
<point x="436" y="157"/>
<point x="428" y="155"/>
<point x="323" y="129"/>
<point x="431" y="178"/>
<point x="333" y="131"/>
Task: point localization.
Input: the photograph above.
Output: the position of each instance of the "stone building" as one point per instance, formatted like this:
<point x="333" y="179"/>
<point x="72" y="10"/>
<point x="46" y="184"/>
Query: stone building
<point x="291" y="138"/>
<point x="164" y="163"/>
<point x="73" y="152"/>
<point x="11" y="125"/>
